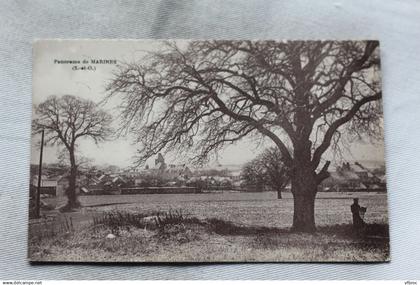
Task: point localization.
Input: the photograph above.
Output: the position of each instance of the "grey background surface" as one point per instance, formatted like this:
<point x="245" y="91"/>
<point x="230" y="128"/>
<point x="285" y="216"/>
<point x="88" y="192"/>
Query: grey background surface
<point x="395" y="23"/>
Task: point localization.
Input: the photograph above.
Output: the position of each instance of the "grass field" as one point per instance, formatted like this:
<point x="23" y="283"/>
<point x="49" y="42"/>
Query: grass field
<point x="228" y="227"/>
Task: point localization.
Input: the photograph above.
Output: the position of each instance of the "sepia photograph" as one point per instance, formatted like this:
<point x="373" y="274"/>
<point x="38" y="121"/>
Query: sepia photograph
<point x="207" y="151"/>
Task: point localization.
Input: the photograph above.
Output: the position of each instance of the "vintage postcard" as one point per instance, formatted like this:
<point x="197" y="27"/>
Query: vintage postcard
<point x="207" y="151"/>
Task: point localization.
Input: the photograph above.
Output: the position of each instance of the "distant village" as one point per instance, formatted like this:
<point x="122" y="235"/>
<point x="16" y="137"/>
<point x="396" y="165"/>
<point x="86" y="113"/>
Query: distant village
<point x="172" y="178"/>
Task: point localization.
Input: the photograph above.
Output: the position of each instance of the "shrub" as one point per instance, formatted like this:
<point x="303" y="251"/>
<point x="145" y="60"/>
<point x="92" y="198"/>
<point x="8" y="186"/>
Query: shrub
<point x="117" y="220"/>
<point x="121" y="220"/>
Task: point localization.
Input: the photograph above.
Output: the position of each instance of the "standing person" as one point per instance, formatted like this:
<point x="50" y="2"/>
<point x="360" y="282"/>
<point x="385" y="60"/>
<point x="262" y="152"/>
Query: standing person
<point x="358" y="222"/>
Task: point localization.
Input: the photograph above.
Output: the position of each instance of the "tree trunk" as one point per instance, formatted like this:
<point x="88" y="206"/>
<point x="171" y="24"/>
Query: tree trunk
<point x="279" y="193"/>
<point x="72" y="201"/>
<point x="304" y="189"/>
<point x="304" y="213"/>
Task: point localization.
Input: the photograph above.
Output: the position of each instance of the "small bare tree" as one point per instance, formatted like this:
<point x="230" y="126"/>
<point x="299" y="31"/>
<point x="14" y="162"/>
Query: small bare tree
<point x="202" y="95"/>
<point x="267" y="169"/>
<point x="67" y="119"/>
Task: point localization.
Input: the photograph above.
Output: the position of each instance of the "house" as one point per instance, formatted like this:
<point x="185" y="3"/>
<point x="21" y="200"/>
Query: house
<point x="164" y="172"/>
<point x="346" y="178"/>
<point x="55" y="186"/>
<point x="109" y="181"/>
<point x="343" y="179"/>
<point x="180" y="172"/>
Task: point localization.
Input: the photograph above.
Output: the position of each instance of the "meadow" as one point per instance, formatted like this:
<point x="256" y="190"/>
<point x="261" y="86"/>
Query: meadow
<point x="224" y="227"/>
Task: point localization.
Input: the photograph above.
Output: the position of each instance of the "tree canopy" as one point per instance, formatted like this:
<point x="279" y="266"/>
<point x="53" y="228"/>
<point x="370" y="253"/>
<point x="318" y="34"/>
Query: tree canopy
<point x="210" y="93"/>
<point x="199" y="96"/>
<point x="67" y="118"/>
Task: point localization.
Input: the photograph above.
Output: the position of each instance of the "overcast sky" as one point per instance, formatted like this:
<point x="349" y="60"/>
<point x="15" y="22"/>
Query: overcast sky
<point x="50" y="78"/>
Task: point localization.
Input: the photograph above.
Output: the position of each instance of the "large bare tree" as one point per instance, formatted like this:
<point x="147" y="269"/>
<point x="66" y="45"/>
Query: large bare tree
<point x="67" y="119"/>
<point x="199" y="96"/>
